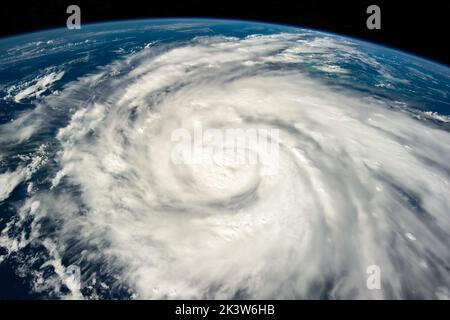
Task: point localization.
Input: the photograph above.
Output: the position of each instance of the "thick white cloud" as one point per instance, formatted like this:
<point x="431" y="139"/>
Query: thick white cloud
<point x="358" y="182"/>
<point x="9" y="180"/>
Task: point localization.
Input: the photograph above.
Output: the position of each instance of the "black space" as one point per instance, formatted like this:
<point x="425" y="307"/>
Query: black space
<point x="421" y="27"/>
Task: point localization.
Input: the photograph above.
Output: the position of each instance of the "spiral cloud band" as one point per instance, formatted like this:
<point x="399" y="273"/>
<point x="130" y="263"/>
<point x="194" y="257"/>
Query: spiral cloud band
<point x="356" y="183"/>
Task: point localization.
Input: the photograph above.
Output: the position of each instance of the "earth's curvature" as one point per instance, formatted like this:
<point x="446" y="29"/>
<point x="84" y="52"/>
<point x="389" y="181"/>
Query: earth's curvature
<point x="88" y="181"/>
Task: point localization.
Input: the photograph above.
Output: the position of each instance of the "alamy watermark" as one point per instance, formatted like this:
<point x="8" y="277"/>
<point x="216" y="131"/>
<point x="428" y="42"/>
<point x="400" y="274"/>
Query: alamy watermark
<point x="72" y="277"/>
<point x="74" y="20"/>
<point x="374" y="20"/>
<point x="227" y="147"/>
<point x="374" y="277"/>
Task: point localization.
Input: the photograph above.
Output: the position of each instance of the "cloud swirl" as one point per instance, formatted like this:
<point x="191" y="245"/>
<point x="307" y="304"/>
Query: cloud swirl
<point x="358" y="183"/>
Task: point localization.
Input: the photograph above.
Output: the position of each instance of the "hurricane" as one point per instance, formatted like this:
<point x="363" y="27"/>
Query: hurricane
<point x="357" y="179"/>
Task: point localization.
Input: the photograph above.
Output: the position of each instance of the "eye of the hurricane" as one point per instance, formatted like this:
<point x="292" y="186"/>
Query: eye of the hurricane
<point x="222" y="176"/>
<point x="220" y="166"/>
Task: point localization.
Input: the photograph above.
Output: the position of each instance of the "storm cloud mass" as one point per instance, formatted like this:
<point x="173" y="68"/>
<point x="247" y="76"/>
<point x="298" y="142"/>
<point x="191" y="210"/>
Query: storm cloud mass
<point x="359" y="182"/>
